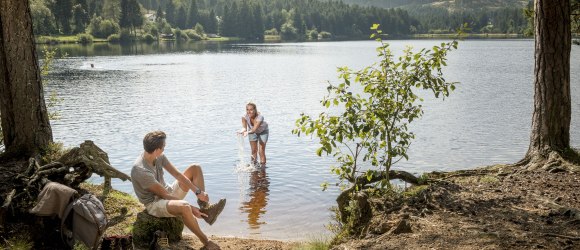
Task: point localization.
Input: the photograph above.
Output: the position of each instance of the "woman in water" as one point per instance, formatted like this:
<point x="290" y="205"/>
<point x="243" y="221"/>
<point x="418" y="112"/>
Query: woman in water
<point x="256" y="129"/>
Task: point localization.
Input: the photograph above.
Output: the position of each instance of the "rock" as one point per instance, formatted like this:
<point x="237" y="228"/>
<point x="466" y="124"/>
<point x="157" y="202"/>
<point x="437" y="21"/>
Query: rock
<point x="402" y="227"/>
<point x="145" y="226"/>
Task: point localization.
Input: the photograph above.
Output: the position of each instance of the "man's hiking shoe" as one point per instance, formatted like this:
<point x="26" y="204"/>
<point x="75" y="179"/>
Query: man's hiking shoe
<point x="160" y="241"/>
<point x="212" y="210"/>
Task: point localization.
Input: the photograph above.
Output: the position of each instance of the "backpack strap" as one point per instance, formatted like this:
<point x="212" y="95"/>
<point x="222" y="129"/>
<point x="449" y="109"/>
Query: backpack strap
<point x="66" y="233"/>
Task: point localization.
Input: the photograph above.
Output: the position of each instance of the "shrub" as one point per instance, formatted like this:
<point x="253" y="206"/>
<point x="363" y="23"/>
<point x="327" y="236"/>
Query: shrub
<point x="325" y="35"/>
<point x="313" y="35"/>
<point x="179" y="35"/>
<point x="84" y="38"/>
<point x="154" y="31"/>
<point x="199" y="29"/>
<point x="125" y="36"/>
<point x="271" y="32"/>
<point x="102" y="28"/>
<point x="288" y="32"/>
<point x="193" y="35"/>
<point x="148" y="38"/>
<point x="114" y="38"/>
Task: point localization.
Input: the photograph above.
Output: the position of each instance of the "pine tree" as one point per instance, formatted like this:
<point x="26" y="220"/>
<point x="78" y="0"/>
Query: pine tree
<point x="181" y="18"/>
<point x="258" y="22"/>
<point x="170" y="12"/>
<point x="193" y="16"/>
<point x="212" y="24"/>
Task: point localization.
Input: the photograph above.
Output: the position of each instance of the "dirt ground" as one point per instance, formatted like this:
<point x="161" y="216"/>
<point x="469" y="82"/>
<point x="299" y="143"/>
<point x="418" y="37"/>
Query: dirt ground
<point x="493" y="208"/>
<point x="189" y="241"/>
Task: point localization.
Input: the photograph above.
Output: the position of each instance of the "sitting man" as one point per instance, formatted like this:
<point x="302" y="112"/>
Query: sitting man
<point x="162" y="200"/>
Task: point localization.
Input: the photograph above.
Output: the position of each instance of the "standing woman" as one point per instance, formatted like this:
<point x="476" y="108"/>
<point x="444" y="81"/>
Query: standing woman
<point x="256" y="129"/>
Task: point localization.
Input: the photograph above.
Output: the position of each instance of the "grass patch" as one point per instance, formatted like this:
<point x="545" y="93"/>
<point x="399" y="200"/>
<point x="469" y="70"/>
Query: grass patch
<point x="272" y="38"/>
<point x="62" y="39"/>
<point x="121" y="209"/>
<point x="315" y="243"/>
<point x="414" y="190"/>
<point x="223" y="39"/>
<point x="53" y="152"/>
<point x="19" y="242"/>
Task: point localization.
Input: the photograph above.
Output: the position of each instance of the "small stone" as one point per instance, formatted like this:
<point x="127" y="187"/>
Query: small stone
<point x="402" y="227"/>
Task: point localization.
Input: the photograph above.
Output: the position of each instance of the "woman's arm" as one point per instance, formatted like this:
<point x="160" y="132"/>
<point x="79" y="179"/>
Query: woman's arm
<point x="257" y="122"/>
<point x="244" y="124"/>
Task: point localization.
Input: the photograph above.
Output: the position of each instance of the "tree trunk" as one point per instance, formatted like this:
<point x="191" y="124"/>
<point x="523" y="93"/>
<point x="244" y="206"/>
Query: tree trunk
<point x="25" y="123"/>
<point x="550" y="135"/>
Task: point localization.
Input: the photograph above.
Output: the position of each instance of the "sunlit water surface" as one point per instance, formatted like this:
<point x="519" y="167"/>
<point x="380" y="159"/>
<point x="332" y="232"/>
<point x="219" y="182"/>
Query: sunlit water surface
<point x="196" y="94"/>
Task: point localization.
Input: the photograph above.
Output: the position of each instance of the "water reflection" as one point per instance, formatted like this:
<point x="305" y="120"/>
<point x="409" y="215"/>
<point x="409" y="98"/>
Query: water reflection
<point x="258" y="194"/>
<point x="111" y="49"/>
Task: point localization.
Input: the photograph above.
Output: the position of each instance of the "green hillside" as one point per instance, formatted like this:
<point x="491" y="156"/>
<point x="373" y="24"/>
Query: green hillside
<point x="450" y="5"/>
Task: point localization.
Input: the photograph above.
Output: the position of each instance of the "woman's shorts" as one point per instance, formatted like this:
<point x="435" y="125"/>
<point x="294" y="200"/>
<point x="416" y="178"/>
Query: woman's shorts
<point x="158" y="208"/>
<point x="262" y="137"/>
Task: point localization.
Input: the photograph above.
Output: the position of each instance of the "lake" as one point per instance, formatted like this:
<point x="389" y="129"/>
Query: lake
<point x="196" y="93"/>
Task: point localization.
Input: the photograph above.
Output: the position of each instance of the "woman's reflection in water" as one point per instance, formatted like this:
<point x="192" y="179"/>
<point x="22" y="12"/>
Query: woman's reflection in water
<point x="258" y="193"/>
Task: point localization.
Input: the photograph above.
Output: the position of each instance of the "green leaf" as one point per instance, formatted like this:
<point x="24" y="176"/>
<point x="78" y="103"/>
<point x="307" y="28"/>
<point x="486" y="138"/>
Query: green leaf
<point x="319" y="152"/>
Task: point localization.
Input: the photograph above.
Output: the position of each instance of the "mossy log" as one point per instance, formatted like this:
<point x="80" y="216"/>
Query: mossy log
<point x="145" y="226"/>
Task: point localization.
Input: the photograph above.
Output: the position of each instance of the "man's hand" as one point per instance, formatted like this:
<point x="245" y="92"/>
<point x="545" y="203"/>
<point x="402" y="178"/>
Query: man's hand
<point x="203" y="196"/>
<point x="197" y="213"/>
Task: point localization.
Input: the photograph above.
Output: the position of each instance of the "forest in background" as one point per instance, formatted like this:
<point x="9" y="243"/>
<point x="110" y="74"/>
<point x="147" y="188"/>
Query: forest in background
<point x="290" y="19"/>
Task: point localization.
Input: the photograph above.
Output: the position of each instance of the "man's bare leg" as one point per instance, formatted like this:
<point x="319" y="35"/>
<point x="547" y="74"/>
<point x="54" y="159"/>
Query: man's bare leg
<point x="195" y="175"/>
<point x="183" y="209"/>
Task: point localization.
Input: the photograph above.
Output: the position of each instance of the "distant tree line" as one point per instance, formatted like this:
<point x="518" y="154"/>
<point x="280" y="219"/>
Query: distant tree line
<point x="253" y="19"/>
<point x="248" y="19"/>
<point x="482" y="16"/>
<point x="503" y="20"/>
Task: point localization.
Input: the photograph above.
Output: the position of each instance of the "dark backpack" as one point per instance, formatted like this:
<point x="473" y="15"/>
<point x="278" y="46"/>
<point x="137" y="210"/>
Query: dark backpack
<point x="85" y="220"/>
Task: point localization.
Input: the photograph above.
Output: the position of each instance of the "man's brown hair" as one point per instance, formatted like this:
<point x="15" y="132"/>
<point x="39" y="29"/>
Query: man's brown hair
<point x="153" y="140"/>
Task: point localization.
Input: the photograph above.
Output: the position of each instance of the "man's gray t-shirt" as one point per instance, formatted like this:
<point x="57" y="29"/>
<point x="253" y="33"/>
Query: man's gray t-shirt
<point x="143" y="176"/>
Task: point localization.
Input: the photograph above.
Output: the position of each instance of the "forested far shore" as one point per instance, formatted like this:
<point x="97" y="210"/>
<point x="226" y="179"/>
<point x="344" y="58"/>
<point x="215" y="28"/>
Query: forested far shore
<point x="288" y="20"/>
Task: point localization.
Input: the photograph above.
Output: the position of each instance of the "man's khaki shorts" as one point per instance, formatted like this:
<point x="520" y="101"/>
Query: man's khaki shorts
<point x="158" y="208"/>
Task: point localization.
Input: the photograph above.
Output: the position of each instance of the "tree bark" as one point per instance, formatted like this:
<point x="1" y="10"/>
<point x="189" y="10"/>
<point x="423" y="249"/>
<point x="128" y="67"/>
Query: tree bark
<point x="552" y="103"/>
<point x="25" y="125"/>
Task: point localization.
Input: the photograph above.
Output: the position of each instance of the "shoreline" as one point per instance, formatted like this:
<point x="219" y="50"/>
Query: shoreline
<point x="74" y="39"/>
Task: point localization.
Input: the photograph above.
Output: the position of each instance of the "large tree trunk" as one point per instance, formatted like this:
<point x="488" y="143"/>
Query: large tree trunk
<point x="25" y="123"/>
<point x="550" y="135"/>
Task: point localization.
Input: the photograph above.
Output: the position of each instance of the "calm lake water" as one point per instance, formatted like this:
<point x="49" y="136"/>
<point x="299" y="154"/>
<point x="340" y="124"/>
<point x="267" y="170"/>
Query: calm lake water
<point x="196" y="93"/>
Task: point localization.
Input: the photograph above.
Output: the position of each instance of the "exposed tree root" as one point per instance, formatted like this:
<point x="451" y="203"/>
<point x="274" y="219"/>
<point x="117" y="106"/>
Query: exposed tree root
<point x="562" y="236"/>
<point x="347" y="195"/>
<point x="553" y="161"/>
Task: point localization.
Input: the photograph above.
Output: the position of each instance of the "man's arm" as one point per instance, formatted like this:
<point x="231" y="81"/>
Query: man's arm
<point x="160" y="191"/>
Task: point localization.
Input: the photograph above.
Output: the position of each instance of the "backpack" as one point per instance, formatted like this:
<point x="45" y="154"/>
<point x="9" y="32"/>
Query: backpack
<point x="85" y="220"/>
